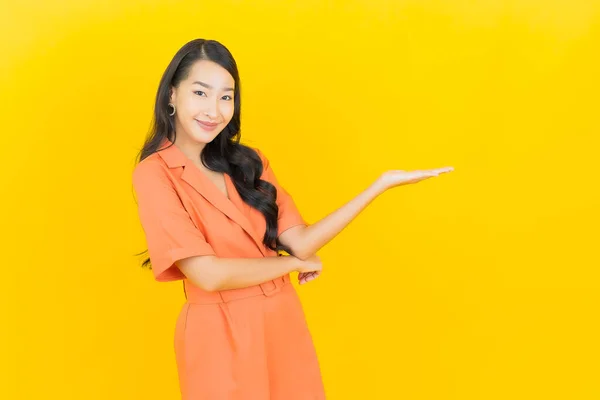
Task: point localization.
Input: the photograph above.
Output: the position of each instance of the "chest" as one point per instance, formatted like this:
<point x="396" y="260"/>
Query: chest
<point x="229" y="225"/>
<point x="217" y="179"/>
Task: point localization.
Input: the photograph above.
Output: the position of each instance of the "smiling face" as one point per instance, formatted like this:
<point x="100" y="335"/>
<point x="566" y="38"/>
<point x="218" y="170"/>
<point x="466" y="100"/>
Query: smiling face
<point x="203" y="102"/>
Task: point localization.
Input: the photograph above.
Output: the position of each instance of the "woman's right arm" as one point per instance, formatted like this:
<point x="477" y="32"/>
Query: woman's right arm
<point x="212" y="273"/>
<point x="178" y="249"/>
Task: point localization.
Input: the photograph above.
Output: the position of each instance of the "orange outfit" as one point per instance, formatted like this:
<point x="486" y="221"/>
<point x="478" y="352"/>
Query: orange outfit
<point x="250" y="343"/>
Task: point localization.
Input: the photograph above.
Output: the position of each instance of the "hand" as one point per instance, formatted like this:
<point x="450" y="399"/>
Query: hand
<point x="305" y="277"/>
<point x="392" y="178"/>
<point x="311" y="268"/>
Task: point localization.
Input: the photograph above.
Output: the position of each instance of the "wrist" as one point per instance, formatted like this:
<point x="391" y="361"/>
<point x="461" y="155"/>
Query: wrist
<point x="292" y="264"/>
<point x="379" y="186"/>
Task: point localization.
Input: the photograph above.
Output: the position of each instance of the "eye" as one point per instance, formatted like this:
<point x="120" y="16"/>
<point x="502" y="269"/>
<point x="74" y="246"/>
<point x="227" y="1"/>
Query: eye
<point x="200" y="91"/>
<point x="228" y="97"/>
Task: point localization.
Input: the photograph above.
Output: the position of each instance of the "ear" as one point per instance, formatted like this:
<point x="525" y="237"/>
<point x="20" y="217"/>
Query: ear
<point x="172" y="95"/>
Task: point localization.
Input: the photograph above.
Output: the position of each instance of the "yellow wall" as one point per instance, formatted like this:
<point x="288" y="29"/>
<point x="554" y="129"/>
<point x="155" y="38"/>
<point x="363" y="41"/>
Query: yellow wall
<point x="479" y="284"/>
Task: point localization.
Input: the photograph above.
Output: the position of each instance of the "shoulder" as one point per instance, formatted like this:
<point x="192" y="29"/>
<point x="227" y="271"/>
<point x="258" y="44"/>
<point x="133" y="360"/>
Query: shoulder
<point x="151" y="168"/>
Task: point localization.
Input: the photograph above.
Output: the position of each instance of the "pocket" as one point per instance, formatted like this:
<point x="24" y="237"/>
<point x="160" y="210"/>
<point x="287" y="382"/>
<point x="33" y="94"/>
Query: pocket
<point x="180" y="327"/>
<point x="229" y="325"/>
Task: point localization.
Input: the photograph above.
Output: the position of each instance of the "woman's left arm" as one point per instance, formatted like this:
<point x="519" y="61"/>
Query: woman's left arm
<point x="305" y="241"/>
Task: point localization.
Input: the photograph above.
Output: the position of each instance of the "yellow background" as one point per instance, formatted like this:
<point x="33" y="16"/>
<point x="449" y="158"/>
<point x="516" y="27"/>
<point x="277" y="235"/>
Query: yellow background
<point x="479" y="284"/>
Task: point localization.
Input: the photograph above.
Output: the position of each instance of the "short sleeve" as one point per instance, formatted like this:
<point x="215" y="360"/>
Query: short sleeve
<point x="170" y="233"/>
<point x="289" y="215"/>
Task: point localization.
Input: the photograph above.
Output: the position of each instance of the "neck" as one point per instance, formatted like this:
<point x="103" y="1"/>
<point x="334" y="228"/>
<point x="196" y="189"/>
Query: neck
<point x="190" y="148"/>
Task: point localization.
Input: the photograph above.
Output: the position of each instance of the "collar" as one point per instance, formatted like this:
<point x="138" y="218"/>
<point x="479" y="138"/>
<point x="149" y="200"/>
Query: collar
<point x="171" y="154"/>
<point x="232" y="207"/>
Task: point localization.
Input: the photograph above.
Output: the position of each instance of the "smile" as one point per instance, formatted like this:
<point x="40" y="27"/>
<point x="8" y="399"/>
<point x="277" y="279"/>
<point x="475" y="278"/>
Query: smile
<point x="207" y="126"/>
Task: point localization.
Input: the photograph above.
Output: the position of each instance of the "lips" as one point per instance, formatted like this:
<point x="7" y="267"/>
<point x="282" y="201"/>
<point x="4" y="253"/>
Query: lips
<point x="208" y="126"/>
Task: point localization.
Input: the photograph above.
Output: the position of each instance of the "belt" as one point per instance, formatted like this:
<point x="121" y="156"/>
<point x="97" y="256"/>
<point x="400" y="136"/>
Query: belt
<point x="268" y="288"/>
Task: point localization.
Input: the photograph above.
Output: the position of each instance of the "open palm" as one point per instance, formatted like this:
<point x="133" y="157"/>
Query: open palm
<point x="398" y="177"/>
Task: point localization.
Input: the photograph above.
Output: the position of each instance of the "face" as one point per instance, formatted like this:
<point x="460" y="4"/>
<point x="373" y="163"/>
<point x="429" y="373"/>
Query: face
<point x="203" y="102"/>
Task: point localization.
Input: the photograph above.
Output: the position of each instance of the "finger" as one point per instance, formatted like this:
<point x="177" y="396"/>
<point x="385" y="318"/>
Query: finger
<point x="423" y="172"/>
<point x="313" y="276"/>
<point x="425" y="175"/>
<point x="443" y="170"/>
<point x="306" y="277"/>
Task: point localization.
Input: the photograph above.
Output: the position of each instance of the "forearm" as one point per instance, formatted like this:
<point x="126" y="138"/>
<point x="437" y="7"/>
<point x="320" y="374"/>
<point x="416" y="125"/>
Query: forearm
<point x="214" y="273"/>
<point x="317" y="235"/>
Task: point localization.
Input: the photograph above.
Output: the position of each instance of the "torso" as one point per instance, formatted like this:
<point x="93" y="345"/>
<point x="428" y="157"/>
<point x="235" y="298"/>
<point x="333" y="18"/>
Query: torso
<point x="218" y="178"/>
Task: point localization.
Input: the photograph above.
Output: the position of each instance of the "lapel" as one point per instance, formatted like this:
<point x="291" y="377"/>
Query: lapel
<point x="205" y="187"/>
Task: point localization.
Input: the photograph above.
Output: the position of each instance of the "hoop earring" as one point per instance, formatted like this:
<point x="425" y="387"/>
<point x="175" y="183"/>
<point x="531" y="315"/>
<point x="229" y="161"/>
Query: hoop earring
<point x="172" y="105"/>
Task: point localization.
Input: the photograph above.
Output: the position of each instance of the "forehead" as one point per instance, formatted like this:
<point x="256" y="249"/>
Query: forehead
<point x="210" y="73"/>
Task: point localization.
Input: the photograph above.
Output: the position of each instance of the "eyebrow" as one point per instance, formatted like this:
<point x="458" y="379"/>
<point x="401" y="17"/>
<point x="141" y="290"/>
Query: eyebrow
<point x="206" y="85"/>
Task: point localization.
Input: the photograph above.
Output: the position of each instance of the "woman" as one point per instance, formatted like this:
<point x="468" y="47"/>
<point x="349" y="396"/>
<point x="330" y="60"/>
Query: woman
<point x="215" y="216"/>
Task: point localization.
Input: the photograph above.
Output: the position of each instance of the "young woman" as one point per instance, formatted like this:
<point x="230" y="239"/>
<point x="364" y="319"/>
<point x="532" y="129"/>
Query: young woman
<point x="215" y="216"/>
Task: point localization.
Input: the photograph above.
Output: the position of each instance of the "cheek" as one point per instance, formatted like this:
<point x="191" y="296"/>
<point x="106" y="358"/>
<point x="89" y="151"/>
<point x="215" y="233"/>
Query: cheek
<point x="187" y="106"/>
<point x="227" y="110"/>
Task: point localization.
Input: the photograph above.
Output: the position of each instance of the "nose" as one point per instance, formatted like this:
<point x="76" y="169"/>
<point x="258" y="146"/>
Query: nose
<point x="212" y="109"/>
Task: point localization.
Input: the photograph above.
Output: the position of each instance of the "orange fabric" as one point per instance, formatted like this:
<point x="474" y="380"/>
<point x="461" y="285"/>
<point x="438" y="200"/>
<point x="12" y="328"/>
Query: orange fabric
<point x="247" y="343"/>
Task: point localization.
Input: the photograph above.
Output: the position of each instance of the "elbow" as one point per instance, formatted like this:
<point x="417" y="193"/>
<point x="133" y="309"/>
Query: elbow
<point x="215" y="283"/>
<point x="207" y="285"/>
<point x="301" y="257"/>
<point x="209" y="281"/>
<point x="301" y="253"/>
<point x="202" y="272"/>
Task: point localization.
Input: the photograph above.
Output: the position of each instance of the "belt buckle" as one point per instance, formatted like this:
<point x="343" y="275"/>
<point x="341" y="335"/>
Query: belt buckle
<point x="269" y="288"/>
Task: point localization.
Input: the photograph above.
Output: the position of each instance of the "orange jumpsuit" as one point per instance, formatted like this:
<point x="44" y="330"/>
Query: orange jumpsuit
<point x="250" y="343"/>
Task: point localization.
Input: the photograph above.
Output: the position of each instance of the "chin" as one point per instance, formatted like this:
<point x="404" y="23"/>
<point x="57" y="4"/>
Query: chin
<point x="205" y="137"/>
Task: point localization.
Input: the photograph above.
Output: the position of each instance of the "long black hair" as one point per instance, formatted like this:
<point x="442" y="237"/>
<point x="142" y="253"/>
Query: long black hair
<point x="225" y="153"/>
